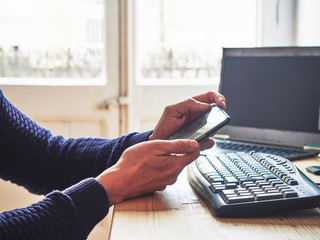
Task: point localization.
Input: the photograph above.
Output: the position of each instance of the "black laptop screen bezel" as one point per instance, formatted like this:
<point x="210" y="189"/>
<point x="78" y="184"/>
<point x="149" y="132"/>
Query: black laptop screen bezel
<point x="260" y="134"/>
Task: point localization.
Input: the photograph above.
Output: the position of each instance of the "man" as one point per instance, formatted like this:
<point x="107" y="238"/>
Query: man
<point x="85" y="176"/>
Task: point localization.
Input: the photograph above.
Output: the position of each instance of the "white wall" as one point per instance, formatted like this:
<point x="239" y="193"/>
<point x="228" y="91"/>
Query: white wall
<point x="308" y="23"/>
<point x="276" y="23"/>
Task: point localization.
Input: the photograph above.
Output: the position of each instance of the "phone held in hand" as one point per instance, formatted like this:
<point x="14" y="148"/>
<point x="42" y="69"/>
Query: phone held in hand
<point x="203" y="126"/>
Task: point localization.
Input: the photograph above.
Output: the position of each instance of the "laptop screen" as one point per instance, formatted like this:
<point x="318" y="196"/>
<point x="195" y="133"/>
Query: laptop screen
<point x="273" y="94"/>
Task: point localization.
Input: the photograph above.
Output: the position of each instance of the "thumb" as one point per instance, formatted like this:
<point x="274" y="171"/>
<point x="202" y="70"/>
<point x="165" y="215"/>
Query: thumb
<point x="182" y="146"/>
<point x="183" y="152"/>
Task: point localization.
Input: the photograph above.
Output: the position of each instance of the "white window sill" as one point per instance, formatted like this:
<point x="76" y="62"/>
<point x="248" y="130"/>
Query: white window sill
<point x="53" y="81"/>
<point x="177" y="82"/>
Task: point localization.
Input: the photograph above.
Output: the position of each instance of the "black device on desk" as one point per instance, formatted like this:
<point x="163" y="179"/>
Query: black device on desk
<point x="203" y="126"/>
<point x="241" y="184"/>
<point x="273" y="99"/>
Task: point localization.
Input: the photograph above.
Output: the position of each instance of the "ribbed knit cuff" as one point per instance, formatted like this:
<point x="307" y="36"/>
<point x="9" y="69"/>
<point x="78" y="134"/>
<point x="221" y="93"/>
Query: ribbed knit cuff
<point x="141" y="137"/>
<point x="91" y="201"/>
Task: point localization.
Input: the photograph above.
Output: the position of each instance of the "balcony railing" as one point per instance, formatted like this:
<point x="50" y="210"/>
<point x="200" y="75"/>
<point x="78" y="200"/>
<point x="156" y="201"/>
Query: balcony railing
<point x="168" y="62"/>
<point x="55" y="62"/>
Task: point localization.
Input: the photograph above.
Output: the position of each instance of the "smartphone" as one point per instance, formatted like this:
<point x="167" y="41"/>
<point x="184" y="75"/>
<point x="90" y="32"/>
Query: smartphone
<point x="203" y="126"/>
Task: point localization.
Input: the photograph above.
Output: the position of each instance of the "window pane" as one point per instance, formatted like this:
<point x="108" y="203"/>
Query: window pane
<point x="51" y="38"/>
<point x="183" y="39"/>
<point x="308" y="23"/>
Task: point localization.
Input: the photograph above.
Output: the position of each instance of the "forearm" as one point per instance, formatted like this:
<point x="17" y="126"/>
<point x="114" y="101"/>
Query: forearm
<point x="32" y="157"/>
<point x="70" y="214"/>
<point x="76" y="159"/>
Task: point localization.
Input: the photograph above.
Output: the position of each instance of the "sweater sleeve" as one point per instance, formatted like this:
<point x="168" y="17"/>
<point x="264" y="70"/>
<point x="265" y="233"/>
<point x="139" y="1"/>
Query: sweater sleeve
<point x="32" y="157"/>
<point x="67" y="215"/>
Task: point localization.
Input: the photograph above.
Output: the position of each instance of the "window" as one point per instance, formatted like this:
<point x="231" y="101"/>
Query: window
<point x="51" y="39"/>
<point x="308" y="23"/>
<point x="182" y="39"/>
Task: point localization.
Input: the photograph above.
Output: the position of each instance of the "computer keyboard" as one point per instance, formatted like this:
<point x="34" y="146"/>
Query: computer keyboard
<point x="287" y="152"/>
<point x="241" y="184"/>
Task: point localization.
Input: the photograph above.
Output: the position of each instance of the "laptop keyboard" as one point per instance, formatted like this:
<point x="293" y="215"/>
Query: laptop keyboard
<point x="240" y="184"/>
<point x="289" y="153"/>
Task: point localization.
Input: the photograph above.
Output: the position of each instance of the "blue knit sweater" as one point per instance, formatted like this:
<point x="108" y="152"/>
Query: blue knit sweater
<point x="32" y="157"/>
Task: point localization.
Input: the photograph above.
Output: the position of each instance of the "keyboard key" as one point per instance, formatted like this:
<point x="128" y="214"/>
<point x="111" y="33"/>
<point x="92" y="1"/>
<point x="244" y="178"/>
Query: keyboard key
<point x="281" y="174"/>
<point x="231" y="185"/>
<point x="244" y="194"/>
<point x="217" y="179"/>
<point x="239" y="199"/>
<point x="275" y="182"/>
<point x="289" y="180"/>
<point x="269" y="188"/>
<point x="269" y="176"/>
<point x="247" y="179"/>
<point x="211" y="176"/>
<point x="217" y="188"/>
<point x="262" y="183"/>
<point x="292" y="181"/>
<point x="248" y="184"/>
<point x="282" y="186"/>
<point x="227" y="192"/>
<point x="272" y="191"/>
<point x="231" y="180"/>
<point x="289" y="194"/>
<point x="205" y="167"/>
<point x="267" y="196"/>
<point x="240" y="190"/>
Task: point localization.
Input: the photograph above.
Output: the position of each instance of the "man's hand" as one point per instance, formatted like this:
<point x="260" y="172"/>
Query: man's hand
<point x="177" y="115"/>
<point x="147" y="167"/>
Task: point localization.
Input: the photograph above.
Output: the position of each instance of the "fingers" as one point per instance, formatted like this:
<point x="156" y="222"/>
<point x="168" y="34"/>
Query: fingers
<point x="177" y="115"/>
<point x="178" y="152"/>
<point x="147" y="167"/>
<point x="183" y="152"/>
<point x="206" y="144"/>
<point x="187" y="107"/>
<point x="181" y="146"/>
<point x="193" y="108"/>
<point x="212" y="97"/>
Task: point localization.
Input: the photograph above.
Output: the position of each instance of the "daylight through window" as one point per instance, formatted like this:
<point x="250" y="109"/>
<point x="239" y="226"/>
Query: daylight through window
<point x="183" y="39"/>
<point x="51" y="39"/>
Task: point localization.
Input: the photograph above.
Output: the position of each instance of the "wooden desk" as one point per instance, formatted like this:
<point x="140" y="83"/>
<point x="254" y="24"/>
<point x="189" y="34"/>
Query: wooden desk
<point x="178" y="213"/>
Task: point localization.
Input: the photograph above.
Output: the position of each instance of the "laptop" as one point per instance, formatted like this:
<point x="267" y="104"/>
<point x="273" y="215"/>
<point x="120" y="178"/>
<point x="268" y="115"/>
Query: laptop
<point x="273" y="99"/>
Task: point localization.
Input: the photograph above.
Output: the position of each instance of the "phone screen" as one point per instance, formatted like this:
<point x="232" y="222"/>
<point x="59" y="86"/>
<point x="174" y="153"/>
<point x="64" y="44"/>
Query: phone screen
<point x="203" y="126"/>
